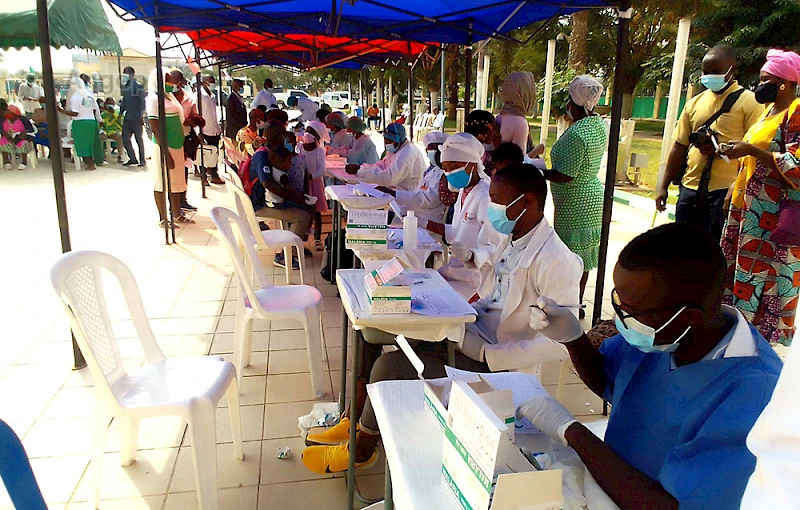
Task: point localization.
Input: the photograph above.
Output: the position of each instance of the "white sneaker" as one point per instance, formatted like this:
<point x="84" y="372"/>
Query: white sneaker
<point x="22" y="166"/>
<point x="8" y="166"/>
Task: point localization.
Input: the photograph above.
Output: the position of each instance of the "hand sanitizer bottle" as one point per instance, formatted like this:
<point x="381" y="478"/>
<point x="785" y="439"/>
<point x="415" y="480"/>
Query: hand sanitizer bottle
<point x="410" y="231"/>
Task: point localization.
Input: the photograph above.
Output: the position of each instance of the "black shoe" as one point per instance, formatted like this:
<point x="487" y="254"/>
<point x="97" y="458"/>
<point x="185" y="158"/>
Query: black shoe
<point x="581" y="313"/>
<point x="130" y="162"/>
<point x="188" y="206"/>
<point x="263" y="226"/>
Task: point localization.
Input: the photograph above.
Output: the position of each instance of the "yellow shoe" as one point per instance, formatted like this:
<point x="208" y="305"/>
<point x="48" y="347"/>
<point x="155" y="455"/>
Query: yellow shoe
<point x="332" y="459"/>
<point x="338" y="434"/>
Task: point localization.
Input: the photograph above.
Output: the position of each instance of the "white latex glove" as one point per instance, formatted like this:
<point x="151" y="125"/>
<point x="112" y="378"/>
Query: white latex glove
<point x="555" y="322"/>
<point x="548" y="415"/>
<point x="422" y="223"/>
<point x="460" y="252"/>
<point x="473" y="347"/>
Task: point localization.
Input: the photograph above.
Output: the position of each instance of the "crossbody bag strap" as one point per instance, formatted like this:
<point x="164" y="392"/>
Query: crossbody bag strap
<point x="705" y="177"/>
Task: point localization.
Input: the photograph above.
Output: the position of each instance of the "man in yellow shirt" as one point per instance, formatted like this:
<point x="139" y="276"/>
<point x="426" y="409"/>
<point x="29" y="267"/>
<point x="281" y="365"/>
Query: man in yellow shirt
<point x="719" y="69"/>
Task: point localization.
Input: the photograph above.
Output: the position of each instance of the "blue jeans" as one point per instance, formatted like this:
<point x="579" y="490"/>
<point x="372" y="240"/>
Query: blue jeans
<point x="709" y="215"/>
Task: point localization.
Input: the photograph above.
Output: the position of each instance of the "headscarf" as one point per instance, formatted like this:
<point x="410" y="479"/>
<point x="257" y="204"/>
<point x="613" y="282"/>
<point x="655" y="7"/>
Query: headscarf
<point x="77" y="86"/>
<point x="518" y="93"/>
<point x="356" y="124"/>
<point x="783" y="64"/>
<point x="434" y="137"/>
<point x="152" y="89"/>
<point x="13" y="109"/>
<point x="585" y="91"/>
<point x="320" y="129"/>
<point x="464" y="148"/>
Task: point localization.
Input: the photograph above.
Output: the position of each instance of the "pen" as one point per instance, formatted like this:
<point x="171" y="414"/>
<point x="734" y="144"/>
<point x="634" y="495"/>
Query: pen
<point x="581" y="307"/>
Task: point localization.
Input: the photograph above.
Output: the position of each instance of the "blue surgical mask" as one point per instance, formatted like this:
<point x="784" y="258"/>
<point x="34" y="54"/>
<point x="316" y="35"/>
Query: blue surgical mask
<point x="714" y="82"/>
<point x="391" y="148"/>
<point x="498" y="216"/>
<point x="288" y="146"/>
<point x="459" y="178"/>
<point x="643" y="337"/>
<point x="432" y="157"/>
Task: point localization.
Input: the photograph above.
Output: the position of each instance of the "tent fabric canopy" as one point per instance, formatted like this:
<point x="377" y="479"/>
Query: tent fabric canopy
<point x="442" y="21"/>
<point x="73" y="24"/>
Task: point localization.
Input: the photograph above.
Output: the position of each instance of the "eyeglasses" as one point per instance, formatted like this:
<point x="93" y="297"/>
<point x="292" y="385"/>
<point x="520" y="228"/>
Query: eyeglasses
<point x="616" y="304"/>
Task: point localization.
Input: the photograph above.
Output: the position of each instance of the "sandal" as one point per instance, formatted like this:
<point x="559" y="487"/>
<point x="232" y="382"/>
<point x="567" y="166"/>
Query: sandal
<point x="318" y="245"/>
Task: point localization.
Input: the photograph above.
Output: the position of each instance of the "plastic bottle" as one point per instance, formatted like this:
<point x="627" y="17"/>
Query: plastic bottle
<point x="410" y="231"/>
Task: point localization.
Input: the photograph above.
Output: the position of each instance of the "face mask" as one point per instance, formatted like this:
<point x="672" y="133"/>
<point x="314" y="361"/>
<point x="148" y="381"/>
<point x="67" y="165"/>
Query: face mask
<point x="288" y="146"/>
<point x="488" y="147"/>
<point x="432" y="157"/>
<point x="714" y="82"/>
<point x="391" y="148"/>
<point x="309" y="138"/>
<point x="459" y="178"/>
<point x="269" y="90"/>
<point x="767" y="93"/>
<point x="168" y="87"/>
<point x="643" y="337"/>
<point x="260" y="125"/>
<point x="125" y="79"/>
<point x="499" y="219"/>
<point x="30" y="82"/>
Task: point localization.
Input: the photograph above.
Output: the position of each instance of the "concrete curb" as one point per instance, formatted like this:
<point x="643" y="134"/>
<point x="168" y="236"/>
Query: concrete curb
<point x="641" y="203"/>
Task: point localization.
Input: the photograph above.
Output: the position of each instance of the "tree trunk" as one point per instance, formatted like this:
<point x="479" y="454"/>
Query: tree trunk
<point x="451" y="63"/>
<point x="578" y="41"/>
<point x="434" y="95"/>
<point x="627" y="105"/>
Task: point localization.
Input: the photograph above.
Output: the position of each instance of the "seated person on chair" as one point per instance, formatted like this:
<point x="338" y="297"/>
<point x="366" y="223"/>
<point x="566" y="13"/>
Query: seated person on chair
<point x="687" y="378"/>
<point x="425" y="201"/>
<point x="532" y="262"/>
<point x="363" y="150"/>
<point x="401" y="168"/>
<point x="112" y="126"/>
<point x="273" y="197"/>
<point x="16" y="138"/>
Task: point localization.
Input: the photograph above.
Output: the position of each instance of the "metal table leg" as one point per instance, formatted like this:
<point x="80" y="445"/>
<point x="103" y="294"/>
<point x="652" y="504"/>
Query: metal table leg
<point x="336" y="255"/>
<point x="342" y="393"/>
<point x="351" y="467"/>
<point x="388" y="501"/>
<point x="451" y="354"/>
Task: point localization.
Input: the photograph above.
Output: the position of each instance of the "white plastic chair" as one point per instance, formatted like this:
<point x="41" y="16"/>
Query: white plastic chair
<point x="189" y="387"/>
<point x="270" y="240"/>
<point x="298" y="302"/>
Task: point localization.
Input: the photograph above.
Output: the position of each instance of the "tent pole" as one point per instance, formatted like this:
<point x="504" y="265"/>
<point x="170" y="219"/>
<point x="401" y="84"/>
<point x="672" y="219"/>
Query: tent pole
<point x="675" y="87"/>
<point x="468" y="73"/>
<point x="625" y="14"/>
<point x="548" y="90"/>
<point x="381" y="100"/>
<point x="219" y="96"/>
<point x="441" y="84"/>
<point x="162" y="142"/>
<point x="199" y="100"/>
<point x="360" y="93"/>
<point x="56" y="155"/>
<point x="410" y="99"/>
<point x="119" y="73"/>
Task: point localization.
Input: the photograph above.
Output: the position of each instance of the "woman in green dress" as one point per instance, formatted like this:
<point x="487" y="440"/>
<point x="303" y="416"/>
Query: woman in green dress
<point x="577" y="192"/>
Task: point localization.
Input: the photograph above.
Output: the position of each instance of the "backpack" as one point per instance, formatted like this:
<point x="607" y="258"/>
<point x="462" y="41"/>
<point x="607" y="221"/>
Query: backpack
<point x="244" y="173"/>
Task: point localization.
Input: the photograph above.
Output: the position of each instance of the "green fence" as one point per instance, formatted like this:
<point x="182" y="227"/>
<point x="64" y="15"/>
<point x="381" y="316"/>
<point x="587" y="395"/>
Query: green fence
<point x="643" y="107"/>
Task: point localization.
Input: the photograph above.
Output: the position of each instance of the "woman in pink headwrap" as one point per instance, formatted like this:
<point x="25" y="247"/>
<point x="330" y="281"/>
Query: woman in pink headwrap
<point x="15" y="137"/>
<point x="763" y="271"/>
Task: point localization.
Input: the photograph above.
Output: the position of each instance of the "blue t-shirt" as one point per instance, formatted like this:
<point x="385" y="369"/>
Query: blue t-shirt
<point x="686" y="427"/>
<point x="261" y="169"/>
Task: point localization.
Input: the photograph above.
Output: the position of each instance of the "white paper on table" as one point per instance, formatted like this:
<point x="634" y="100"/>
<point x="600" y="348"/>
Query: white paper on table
<point x="368" y="190"/>
<point x="523" y="387"/>
<point x="438" y="301"/>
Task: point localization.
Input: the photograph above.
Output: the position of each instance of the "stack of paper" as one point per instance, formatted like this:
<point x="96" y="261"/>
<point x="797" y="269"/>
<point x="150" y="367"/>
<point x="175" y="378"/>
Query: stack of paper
<point x="366" y="229"/>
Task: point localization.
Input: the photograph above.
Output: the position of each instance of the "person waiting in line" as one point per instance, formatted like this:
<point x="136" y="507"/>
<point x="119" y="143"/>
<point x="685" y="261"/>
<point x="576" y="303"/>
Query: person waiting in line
<point x="248" y="139"/>
<point x="212" y="130"/>
<point x="31" y="95"/>
<point x="518" y="93"/>
<point x="402" y="167"/>
<point x="174" y="149"/>
<point x="529" y="263"/>
<point x="191" y="120"/>
<point x="363" y="151"/>
<point x="112" y="126"/>
<point x="507" y="154"/>
<point x="340" y="138"/>
<point x="307" y="107"/>
<point x="265" y="97"/>
<point x="701" y="200"/>
<point x="236" y="117"/>
<point x="16" y="137"/>
<point x="687" y="378"/>
<point x="312" y="156"/>
<point x="425" y="200"/>
<point x="273" y="197"/>
<point x="481" y="124"/>
<point x="373" y="116"/>
<point x="85" y="121"/>
<point x="132" y="107"/>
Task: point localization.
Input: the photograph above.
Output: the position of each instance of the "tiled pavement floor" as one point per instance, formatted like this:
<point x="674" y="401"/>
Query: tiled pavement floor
<point x="190" y="297"/>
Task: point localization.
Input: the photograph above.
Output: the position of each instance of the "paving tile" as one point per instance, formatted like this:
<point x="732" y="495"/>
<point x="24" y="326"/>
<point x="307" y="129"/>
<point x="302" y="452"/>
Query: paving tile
<point x="196" y="309"/>
<point x="258" y="363"/>
<point x="71" y="403"/>
<point x="288" y="362"/>
<point x="287" y="340"/>
<point x="148" y="476"/>
<point x="280" y="420"/>
<point x="330" y="494"/>
<point x="240" y="498"/>
<point x="58" y="476"/>
<point x="185" y="345"/>
<point x="138" y="503"/>
<point x="223" y="342"/>
<point x="252" y="421"/>
<point x="278" y="471"/>
<point x="289" y="388"/>
<point x="231" y="472"/>
<point x="252" y="391"/>
<point x="54" y="438"/>
<point x="155" y="432"/>
<point x="186" y="326"/>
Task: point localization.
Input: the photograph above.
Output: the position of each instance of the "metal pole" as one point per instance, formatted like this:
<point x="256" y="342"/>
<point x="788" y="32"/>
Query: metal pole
<point x="410" y="100"/>
<point x="56" y="154"/>
<point x="219" y="98"/>
<point x="479" y="104"/>
<point x="162" y="142"/>
<point x="468" y="73"/>
<point x="119" y="72"/>
<point x="381" y="101"/>
<point x="360" y="93"/>
<point x="548" y="90"/>
<point x="199" y="96"/>
<point x="625" y="14"/>
<point x="441" y="84"/>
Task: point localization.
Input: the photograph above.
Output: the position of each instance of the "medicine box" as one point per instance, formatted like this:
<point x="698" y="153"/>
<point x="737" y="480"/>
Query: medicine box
<point x="366" y="229"/>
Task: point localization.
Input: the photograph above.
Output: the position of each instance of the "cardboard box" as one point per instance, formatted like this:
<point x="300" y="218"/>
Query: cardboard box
<point x="390" y="299"/>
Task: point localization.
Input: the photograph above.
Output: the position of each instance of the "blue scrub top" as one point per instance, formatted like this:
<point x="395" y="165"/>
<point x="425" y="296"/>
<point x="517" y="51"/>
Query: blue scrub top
<point x="686" y="427"/>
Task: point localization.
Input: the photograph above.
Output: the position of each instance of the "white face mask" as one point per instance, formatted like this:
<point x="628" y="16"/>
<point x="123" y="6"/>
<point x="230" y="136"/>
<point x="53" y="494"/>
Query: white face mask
<point x="261" y="125"/>
<point x="432" y="158"/>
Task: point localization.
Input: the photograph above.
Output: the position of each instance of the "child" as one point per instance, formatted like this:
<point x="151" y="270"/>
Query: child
<point x="313" y="157"/>
<point x="16" y="137"/>
<point x="507" y="154"/>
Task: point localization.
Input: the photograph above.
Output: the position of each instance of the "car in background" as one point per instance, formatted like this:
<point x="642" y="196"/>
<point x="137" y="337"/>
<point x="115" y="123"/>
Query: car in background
<point x="281" y="96"/>
<point x="340" y="100"/>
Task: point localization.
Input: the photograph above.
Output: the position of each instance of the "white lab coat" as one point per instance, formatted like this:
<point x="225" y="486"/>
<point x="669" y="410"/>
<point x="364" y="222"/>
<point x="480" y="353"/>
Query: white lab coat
<point x="342" y="140"/>
<point x="264" y="97"/>
<point x="775" y="441"/>
<point x="362" y="152"/>
<point x="547" y="268"/>
<point x="308" y="109"/>
<point x="472" y="229"/>
<point x="424" y="201"/>
<point x="402" y="169"/>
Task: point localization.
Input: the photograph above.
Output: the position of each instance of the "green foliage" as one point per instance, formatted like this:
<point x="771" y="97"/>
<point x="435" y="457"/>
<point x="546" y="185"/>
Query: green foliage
<point x="561" y="80"/>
